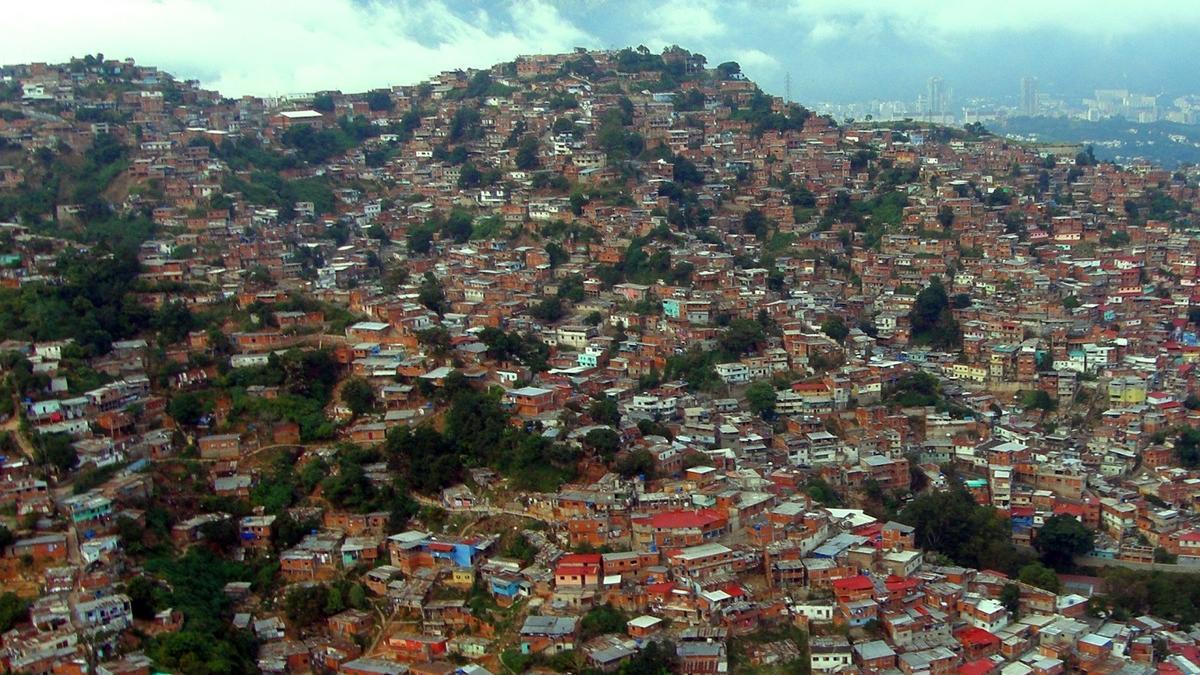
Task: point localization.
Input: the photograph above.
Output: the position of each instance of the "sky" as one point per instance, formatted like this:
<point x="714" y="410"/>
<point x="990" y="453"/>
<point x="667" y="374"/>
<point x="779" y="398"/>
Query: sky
<point x="834" y="50"/>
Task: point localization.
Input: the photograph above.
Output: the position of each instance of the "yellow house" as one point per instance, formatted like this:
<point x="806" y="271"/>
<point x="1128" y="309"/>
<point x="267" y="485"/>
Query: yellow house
<point x="1126" y="391"/>
<point x="966" y="371"/>
<point x="462" y="577"/>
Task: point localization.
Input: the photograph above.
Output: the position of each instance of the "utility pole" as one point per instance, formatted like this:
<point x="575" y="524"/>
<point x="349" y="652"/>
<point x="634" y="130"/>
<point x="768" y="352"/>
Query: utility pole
<point x="787" y="87"/>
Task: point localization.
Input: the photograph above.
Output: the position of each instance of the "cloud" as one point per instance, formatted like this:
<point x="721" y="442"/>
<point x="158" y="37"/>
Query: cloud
<point x="937" y="21"/>
<point x="694" y="25"/>
<point x="268" y="47"/>
<point x="682" y="21"/>
<point x="755" y="59"/>
<point x="826" y="31"/>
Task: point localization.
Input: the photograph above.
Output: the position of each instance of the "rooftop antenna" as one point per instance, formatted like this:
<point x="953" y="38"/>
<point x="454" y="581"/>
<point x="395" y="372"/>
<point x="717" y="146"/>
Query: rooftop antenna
<point x="787" y="87"/>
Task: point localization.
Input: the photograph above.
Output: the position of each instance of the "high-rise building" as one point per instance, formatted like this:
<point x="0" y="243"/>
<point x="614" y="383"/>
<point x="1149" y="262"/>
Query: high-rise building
<point x="1029" y="96"/>
<point x="935" y="96"/>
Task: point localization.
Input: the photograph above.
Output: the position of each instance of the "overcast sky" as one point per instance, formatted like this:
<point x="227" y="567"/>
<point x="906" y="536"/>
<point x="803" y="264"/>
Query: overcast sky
<point x="835" y="50"/>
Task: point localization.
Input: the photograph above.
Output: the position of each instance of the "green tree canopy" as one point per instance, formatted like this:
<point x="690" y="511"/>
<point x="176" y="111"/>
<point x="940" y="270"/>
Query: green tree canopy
<point x="1187" y="447"/>
<point x="761" y="397"/>
<point x="605" y="442"/>
<point x="1037" y="574"/>
<point x="969" y="534"/>
<point x="358" y="395"/>
<point x="527" y="153"/>
<point x="601" y="620"/>
<point x="1039" y="399"/>
<point x="1060" y="539"/>
<point x="835" y="328"/>
<point x="931" y="319"/>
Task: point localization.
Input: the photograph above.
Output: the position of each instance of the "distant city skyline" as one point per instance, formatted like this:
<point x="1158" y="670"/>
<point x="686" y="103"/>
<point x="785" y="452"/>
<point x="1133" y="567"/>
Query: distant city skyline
<point x="843" y="51"/>
<point x="936" y="102"/>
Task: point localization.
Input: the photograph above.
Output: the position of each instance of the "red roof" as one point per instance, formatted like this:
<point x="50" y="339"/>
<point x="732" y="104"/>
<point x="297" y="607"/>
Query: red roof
<point x="661" y="588"/>
<point x="579" y="569"/>
<point x="734" y="590"/>
<point x="1189" y="652"/>
<point x="897" y="584"/>
<point x="977" y="667"/>
<point x="858" y="583"/>
<point x="976" y="637"/>
<point x="580" y="559"/>
<point x="670" y="520"/>
<point x="871" y="531"/>
<point x="1068" y="508"/>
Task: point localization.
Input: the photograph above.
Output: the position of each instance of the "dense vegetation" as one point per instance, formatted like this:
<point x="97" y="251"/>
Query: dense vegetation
<point x="477" y="432"/>
<point x="93" y="305"/>
<point x="931" y="319"/>
<point x="971" y="535"/>
<point x="1131" y="593"/>
<point x="208" y="642"/>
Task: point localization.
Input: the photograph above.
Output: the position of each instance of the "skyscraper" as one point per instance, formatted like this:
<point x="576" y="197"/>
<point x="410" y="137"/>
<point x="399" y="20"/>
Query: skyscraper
<point x="1029" y="96"/>
<point x="935" y="96"/>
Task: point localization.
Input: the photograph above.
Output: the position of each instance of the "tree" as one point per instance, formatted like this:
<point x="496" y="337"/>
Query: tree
<point x="1039" y="399"/>
<point x="13" y="610"/>
<point x="57" y="451"/>
<point x="761" y="398"/>
<point x="379" y="100"/>
<point x="931" y="319"/>
<point x="357" y="597"/>
<point x="173" y="322"/>
<point x="358" y="395"/>
<point x="835" y="328"/>
<point x="305" y="605"/>
<point x="605" y="411"/>
<point x="638" y="462"/>
<point x="143" y="595"/>
<point x="223" y="533"/>
<point x="548" y="310"/>
<point x="431" y="294"/>
<point x="755" y="222"/>
<point x="527" y="154"/>
<point x="822" y="492"/>
<point x="323" y="103"/>
<point x="604" y="442"/>
<point x="969" y="534"/>
<point x="656" y="658"/>
<point x="741" y="336"/>
<point x="601" y="620"/>
<point x="556" y="254"/>
<point x="1060" y="539"/>
<point x="420" y="240"/>
<point x="521" y="549"/>
<point x="435" y="339"/>
<point x="1010" y="597"/>
<point x="945" y="217"/>
<point x="1037" y="574"/>
<point x="1187" y="447"/>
